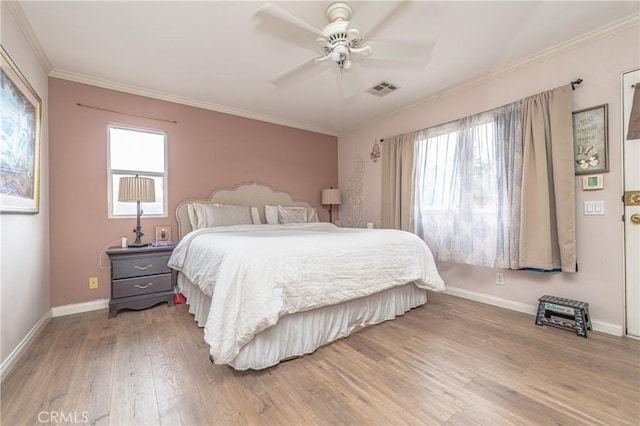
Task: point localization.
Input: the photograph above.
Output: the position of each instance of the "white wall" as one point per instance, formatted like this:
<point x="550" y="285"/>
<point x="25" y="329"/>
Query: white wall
<point x="600" y="239"/>
<point x="24" y="248"/>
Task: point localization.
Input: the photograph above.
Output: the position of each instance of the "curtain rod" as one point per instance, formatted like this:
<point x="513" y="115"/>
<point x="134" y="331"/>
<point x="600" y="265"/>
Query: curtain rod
<point x="574" y="83"/>
<point x="126" y="113"/>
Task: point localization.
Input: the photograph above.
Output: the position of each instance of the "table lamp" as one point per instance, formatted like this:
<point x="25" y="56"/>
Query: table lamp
<point x="140" y="190"/>
<point x="331" y="197"/>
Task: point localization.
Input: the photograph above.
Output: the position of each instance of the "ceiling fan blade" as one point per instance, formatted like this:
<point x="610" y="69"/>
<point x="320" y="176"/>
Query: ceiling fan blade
<point x="274" y="11"/>
<point x="294" y="70"/>
<point x="371" y="14"/>
<point x="417" y="52"/>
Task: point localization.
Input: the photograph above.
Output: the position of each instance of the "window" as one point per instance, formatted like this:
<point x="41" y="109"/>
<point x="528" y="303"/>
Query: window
<point x="136" y="151"/>
<point x="466" y="194"/>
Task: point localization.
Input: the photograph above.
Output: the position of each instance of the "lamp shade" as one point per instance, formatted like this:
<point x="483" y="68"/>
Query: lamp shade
<point x="137" y="189"/>
<point x="331" y="196"/>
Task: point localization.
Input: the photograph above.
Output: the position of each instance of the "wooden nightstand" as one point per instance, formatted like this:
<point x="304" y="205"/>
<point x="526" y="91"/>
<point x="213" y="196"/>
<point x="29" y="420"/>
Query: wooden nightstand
<point x="140" y="278"/>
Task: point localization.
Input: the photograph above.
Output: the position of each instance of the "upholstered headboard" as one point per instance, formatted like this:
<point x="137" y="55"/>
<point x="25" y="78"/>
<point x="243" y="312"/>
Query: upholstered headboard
<point x="246" y="194"/>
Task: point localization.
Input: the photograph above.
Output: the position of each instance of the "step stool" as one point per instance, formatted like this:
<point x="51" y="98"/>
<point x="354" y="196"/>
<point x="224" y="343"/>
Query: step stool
<point x="581" y="317"/>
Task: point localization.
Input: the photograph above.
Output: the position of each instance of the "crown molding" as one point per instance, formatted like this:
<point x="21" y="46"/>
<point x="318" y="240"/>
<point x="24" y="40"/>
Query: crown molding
<point x="32" y="39"/>
<point x="566" y="46"/>
<point x="108" y="84"/>
<point x="17" y="11"/>
<point x="602" y="32"/>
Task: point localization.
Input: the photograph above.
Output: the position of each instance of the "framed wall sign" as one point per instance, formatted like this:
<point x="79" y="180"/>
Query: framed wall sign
<point x="590" y="140"/>
<point x="20" y="110"/>
<point x="163" y="233"/>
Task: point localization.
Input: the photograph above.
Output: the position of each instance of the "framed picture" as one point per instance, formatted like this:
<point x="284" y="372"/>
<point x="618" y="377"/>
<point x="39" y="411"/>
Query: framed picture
<point x="590" y="140"/>
<point x="20" y="111"/>
<point x="163" y="233"/>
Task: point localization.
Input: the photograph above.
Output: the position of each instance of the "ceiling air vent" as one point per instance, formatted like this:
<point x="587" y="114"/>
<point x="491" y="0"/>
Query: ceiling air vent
<point x="383" y="88"/>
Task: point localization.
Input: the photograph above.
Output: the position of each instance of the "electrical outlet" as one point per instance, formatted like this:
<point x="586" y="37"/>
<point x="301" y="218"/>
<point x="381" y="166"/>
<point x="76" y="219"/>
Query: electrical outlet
<point x="93" y="282"/>
<point x="499" y="278"/>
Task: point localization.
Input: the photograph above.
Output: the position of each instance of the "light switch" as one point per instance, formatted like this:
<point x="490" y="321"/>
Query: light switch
<point x="594" y="208"/>
<point x="598" y="207"/>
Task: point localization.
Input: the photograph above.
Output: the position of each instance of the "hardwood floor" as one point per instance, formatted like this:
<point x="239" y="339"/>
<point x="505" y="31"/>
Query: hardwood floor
<point x="449" y="362"/>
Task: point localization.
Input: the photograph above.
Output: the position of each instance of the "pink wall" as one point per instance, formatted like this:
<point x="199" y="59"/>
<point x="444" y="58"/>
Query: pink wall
<point x="207" y="150"/>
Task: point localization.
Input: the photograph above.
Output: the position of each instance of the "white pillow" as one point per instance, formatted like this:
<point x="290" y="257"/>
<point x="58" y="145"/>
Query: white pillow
<point x="255" y="216"/>
<point x="271" y="214"/>
<point x="312" y="215"/>
<point x="193" y="218"/>
<point x="209" y="215"/>
<point x="292" y="214"/>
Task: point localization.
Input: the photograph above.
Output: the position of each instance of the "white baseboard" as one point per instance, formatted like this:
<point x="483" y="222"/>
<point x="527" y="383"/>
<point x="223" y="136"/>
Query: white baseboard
<point x="78" y="308"/>
<point x="607" y="327"/>
<point x="57" y="311"/>
<point x="491" y="300"/>
<point x="22" y="347"/>
<point x="601" y="326"/>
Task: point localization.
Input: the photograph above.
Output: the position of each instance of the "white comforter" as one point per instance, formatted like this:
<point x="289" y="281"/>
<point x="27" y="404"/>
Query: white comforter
<point x="259" y="273"/>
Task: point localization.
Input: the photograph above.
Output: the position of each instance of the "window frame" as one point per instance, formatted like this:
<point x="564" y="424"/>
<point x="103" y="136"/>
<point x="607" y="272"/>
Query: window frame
<point x="455" y="127"/>
<point x="111" y="172"/>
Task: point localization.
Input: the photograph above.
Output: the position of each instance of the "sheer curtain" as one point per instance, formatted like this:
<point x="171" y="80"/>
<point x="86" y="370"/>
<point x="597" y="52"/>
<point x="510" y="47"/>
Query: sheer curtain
<point x="467" y="180"/>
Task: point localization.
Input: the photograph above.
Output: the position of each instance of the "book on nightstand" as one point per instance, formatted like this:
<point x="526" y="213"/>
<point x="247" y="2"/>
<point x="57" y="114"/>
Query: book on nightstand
<point x="163" y="244"/>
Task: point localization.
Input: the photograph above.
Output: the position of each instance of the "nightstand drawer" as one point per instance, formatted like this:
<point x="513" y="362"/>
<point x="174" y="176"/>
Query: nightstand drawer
<point x="140" y="278"/>
<point x="142" y="285"/>
<point x="134" y="266"/>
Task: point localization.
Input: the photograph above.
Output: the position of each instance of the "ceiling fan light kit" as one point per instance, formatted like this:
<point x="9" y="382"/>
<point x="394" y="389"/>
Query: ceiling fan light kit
<point x="339" y="42"/>
<point x="343" y="39"/>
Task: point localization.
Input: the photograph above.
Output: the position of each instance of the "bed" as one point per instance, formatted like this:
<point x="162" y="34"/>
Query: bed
<point x="267" y="292"/>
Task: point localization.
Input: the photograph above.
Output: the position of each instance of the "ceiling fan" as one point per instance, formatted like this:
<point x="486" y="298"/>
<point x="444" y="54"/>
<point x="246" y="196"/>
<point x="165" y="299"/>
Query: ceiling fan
<point x="344" y="39"/>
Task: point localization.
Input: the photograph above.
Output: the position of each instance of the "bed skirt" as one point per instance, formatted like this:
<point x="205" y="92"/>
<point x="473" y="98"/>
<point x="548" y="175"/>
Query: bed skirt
<point x="303" y="332"/>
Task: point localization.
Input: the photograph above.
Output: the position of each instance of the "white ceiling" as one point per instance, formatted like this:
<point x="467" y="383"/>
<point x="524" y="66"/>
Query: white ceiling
<point x="220" y="56"/>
